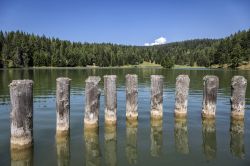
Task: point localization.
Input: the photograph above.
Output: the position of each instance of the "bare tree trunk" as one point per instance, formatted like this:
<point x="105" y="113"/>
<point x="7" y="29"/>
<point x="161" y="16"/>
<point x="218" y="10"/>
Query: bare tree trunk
<point x="239" y="86"/>
<point x="21" y="115"/>
<point x="156" y="96"/>
<point x="181" y="95"/>
<point x="110" y="99"/>
<point x="211" y="85"/>
<point x="92" y="100"/>
<point x="62" y="106"/>
<point x="131" y="96"/>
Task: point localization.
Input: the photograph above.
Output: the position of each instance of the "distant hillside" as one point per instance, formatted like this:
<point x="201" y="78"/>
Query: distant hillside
<point x="19" y="49"/>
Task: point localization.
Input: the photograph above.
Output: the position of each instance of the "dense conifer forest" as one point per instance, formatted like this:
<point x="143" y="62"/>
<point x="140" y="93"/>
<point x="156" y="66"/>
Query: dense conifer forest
<point x="20" y="49"/>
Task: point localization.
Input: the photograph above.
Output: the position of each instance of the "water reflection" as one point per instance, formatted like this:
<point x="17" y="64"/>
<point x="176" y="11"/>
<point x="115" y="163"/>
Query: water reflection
<point x="209" y="138"/>
<point x="22" y="157"/>
<point x="110" y="147"/>
<point x="156" y="138"/>
<point x="181" y="135"/>
<point x="131" y="142"/>
<point x="63" y="150"/>
<point x="92" y="148"/>
<point x="237" y="139"/>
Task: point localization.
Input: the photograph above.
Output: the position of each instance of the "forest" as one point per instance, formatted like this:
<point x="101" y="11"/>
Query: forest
<point x="19" y="49"/>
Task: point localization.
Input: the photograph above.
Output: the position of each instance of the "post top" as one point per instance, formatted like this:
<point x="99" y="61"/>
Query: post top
<point x="95" y="79"/>
<point x="21" y="82"/>
<point x="210" y="77"/>
<point x="182" y="76"/>
<point x="157" y="76"/>
<point x="239" y="79"/>
<point x="110" y="76"/>
<point x="63" y="79"/>
<point x="131" y="75"/>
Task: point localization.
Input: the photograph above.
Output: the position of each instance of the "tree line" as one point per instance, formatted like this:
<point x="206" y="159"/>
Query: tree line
<point x="20" y="49"/>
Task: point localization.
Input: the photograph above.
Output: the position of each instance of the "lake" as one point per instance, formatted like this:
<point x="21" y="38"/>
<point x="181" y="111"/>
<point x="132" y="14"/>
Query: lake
<point x="190" y="142"/>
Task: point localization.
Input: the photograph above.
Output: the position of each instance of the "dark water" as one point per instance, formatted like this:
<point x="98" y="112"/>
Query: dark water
<point x="168" y="143"/>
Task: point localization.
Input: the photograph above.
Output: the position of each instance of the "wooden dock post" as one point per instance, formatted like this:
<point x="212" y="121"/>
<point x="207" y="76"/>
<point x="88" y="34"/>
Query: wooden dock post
<point x="62" y="106"/>
<point x="21" y="157"/>
<point x="238" y="90"/>
<point x="92" y="100"/>
<point x="110" y="99"/>
<point x="131" y="97"/>
<point x="211" y="85"/>
<point x="181" y="95"/>
<point x="156" y="96"/>
<point x="21" y="115"/>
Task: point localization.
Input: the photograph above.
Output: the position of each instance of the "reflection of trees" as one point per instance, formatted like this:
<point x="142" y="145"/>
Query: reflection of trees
<point x="110" y="145"/>
<point x="237" y="138"/>
<point x="22" y="157"/>
<point x="131" y="142"/>
<point x="92" y="149"/>
<point x="156" y="138"/>
<point x="63" y="150"/>
<point x="181" y="135"/>
<point x="209" y="138"/>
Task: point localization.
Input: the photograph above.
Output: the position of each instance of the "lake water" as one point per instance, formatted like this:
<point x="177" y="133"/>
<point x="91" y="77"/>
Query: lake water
<point x="168" y="143"/>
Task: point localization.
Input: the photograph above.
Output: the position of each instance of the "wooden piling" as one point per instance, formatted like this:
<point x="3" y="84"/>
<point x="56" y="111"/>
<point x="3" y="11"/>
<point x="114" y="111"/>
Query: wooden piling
<point x="156" y="96"/>
<point x="21" y="115"/>
<point x="211" y="85"/>
<point x="238" y="91"/>
<point x="110" y="99"/>
<point x="92" y="100"/>
<point x="181" y="95"/>
<point x="62" y="106"/>
<point x="131" y="97"/>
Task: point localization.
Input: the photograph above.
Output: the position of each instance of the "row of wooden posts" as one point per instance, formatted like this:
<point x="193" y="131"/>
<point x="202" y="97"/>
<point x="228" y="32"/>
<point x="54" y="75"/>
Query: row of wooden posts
<point x="21" y="96"/>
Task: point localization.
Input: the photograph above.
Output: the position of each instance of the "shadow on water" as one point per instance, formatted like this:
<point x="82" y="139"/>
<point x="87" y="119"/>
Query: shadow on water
<point x="181" y="135"/>
<point x="22" y="157"/>
<point x="209" y="138"/>
<point x="156" y="138"/>
<point x="131" y="142"/>
<point x="237" y="148"/>
<point x="63" y="150"/>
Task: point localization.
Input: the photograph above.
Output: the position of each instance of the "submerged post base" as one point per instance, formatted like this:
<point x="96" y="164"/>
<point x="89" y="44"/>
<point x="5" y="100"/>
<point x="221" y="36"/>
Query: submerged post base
<point x="156" y="114"/>
<point x="132" y="116"/>
<point x="180" y="114"/>
<point x="20" y="143"/>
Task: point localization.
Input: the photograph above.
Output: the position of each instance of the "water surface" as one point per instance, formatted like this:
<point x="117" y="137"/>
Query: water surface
<point x="169" y="142"/>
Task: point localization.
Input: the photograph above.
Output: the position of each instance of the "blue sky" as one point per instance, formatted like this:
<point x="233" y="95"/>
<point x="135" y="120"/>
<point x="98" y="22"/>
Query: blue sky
<point x="131" y="22"/>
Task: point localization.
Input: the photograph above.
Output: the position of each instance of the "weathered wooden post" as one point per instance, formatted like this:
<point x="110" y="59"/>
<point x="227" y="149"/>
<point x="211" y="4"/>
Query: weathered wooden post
<point x="110" y="145"/>
<point x="209" y="138"/>
<point x="181" y="135"/>
<point x="237" y="147"/>
<point x="110" y="99"/>
<point x="131" y="142"/>
<point x="92" y="100"/>
<point x="238" y="86"/>
<point x="156" y="96"/>
<point x="63" y="151"/>
<point x="181" y="95"/>
<point x="62" y="106"/>
<point x="131" y="97"/>
<point x="156" y="138"/>
<point x="211" y="85"/>
<point x="21" y="115"/>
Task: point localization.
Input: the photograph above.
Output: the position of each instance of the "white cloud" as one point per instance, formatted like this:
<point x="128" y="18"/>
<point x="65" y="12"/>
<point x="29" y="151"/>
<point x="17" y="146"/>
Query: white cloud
<point x="159" y="41"/>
